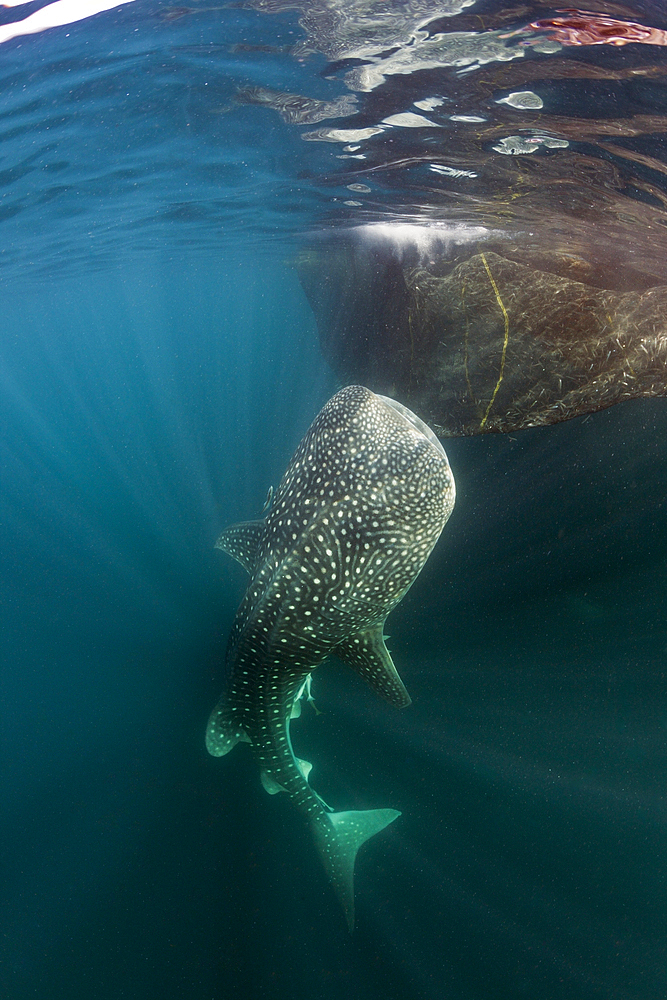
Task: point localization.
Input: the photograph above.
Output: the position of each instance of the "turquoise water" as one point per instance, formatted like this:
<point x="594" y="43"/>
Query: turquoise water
<point x="159" y="363"/>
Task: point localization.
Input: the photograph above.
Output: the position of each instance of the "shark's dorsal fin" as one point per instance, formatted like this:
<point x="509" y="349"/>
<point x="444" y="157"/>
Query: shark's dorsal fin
<point x="242" y="542"/>
<point x="367" y="654"/>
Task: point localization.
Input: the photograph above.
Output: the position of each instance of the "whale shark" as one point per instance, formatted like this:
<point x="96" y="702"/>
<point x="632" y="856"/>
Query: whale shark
<point x="355" y="517"/>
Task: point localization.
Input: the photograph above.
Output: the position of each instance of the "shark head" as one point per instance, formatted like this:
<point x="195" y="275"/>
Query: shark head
<point x="357" y="513"/>
<point x="361" y="505"/>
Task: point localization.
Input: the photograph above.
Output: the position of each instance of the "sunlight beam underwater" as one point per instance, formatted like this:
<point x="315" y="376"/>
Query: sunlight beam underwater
<point x="355" y="517"/>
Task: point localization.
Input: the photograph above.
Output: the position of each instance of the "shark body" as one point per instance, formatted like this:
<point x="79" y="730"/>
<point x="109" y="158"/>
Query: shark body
<point x="357" y="513"/>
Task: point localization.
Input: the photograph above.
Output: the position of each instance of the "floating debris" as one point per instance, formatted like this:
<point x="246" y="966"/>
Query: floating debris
<point x="513" y="145"/>
<point x="439" y="168"/>
<point x="524" y="99"/>
<point x="407" y="119"/>
<point x="341" y="134"/>
<point x="429" y="103"/>
<point x="546" y="46"/>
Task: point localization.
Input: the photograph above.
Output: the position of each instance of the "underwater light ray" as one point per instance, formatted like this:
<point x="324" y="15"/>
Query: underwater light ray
<point x="38" y="452"/>
<point x="487" y="886"/>
<point x="467" y="913"/>
<point x="79" y="475"/>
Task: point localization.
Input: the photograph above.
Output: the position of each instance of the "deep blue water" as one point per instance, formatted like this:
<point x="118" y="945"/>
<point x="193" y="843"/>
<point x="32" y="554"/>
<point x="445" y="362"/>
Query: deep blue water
<point x="159" y="363"/>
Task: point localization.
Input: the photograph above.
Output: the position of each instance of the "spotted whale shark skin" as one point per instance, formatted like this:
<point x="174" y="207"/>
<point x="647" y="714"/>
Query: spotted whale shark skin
<point x="357" y="513"/>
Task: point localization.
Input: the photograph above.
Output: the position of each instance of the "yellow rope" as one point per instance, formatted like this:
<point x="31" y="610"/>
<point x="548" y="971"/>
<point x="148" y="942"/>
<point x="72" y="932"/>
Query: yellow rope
<point x="465" y="346"/>
<point x="507" y="334"/>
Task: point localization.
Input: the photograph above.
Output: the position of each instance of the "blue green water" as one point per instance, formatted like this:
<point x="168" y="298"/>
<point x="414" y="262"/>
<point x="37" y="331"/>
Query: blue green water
<point x="158" y="364"/>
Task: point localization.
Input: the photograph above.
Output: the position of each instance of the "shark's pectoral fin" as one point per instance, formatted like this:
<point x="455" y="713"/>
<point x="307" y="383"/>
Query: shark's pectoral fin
<point x="223" y="731"/>
<point x="339" y="836"/>
<point x="366" y="653"/>
<point x="242" y="542"/>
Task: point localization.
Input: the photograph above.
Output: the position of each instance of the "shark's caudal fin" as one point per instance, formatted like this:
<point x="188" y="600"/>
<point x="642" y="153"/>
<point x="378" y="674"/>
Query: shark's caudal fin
<point x="338" y="837"/>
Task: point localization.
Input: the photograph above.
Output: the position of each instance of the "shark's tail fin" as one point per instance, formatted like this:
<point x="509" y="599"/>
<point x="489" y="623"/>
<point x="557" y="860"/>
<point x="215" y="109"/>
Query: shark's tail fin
<point x="223" y="731"/>
<point x="338" y="837"/>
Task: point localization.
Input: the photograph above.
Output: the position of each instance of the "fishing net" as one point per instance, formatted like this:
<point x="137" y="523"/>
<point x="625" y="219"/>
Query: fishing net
<point x="486" y="343"/>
